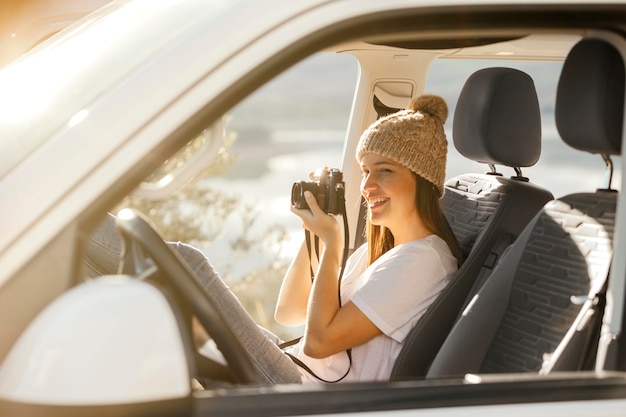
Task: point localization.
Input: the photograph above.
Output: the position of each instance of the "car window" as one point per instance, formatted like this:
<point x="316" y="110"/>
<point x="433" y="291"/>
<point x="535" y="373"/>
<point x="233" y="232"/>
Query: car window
<point x="238" y="213"/>
<point x="293" y="125"/>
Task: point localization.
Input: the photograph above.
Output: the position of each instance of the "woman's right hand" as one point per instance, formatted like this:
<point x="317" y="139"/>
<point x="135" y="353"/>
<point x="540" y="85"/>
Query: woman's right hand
<point x="318" y="222"/>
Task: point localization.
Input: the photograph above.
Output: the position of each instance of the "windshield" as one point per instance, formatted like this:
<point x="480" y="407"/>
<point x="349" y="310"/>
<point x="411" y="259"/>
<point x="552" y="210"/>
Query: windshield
<point x="46" y="90"/>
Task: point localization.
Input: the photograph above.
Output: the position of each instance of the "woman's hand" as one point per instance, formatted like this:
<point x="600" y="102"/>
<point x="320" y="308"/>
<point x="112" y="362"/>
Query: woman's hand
<point x="318" y="222"/>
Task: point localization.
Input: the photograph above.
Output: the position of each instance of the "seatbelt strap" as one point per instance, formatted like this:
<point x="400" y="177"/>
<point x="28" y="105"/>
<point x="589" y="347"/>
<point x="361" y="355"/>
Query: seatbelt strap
<point x="307" y="236"/>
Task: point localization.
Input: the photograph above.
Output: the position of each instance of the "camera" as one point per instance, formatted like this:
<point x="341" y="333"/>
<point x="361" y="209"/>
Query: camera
<point x="328" y="189"/>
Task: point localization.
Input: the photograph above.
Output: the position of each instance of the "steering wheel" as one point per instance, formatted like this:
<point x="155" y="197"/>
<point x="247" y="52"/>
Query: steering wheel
<point x="139" y="237"/>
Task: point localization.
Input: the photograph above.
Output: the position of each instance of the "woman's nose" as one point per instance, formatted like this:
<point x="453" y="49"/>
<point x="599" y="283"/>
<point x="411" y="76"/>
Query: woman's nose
<point x="368" y="183"/>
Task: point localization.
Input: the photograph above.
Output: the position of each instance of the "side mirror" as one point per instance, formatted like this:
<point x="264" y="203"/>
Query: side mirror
<point x="114" y="340"/>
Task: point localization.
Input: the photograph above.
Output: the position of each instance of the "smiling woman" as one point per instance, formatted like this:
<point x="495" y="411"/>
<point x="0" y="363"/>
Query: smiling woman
<point x="379" y="300"/>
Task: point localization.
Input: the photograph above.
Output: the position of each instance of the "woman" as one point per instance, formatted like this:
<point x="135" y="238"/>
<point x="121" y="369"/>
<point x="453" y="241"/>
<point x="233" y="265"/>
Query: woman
<point x="388" y="283"/>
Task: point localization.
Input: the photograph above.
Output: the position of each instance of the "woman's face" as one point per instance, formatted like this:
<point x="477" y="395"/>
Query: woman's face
<point x="389" y="190"/>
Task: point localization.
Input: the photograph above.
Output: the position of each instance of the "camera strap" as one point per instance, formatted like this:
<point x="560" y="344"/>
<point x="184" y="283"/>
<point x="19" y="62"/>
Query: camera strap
<point x="344" y="258"/>
<point x="307" y="236"/>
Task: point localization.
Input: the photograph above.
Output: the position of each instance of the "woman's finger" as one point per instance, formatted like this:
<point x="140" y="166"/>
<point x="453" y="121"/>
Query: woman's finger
<point x="313" y="205"/>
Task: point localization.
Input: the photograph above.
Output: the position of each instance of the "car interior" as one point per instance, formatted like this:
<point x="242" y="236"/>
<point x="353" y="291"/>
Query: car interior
<point x="497" y="122"/>
<point x="540" y="309"/>
<point x="556" y="271"/>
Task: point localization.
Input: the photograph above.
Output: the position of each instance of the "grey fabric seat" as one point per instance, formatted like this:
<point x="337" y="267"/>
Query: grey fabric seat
<point x="497" y="122"/>
<point x="539" y="309"/>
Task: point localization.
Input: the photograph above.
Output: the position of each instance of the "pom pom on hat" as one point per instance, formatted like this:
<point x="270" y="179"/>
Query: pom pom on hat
<point x="432" y="105"/>
<point x="414" y="138"/>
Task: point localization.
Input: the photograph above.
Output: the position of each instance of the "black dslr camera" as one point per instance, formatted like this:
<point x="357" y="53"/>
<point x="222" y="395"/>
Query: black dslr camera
<point x="328" y="190"/>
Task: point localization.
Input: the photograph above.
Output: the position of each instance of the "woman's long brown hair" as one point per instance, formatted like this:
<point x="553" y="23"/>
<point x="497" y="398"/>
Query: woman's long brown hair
<point x="380" y="239"/>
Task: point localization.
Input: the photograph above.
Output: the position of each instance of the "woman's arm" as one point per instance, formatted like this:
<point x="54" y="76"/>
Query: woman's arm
<point x="330" y="328"/>
<point x="294" y="291"/>
<point x="296" y="286"/>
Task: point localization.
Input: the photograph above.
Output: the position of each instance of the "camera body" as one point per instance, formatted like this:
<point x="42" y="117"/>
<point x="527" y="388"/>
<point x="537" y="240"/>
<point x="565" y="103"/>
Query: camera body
<point x="328" y="189"/>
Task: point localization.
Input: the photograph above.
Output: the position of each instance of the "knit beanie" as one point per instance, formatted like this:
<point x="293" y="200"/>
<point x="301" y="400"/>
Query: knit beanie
<point x="413" y="138"/>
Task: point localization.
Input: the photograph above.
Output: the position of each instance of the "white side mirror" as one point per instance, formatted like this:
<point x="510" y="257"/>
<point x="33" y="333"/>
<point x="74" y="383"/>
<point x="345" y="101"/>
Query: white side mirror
<point x="113" y="340"/>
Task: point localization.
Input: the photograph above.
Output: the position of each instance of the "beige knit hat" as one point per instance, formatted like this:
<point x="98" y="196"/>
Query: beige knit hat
<point x="413" y="138"/>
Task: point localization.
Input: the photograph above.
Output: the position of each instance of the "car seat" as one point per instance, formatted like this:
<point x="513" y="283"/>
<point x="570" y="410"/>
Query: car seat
<point x="539" y="310"/>
<point x="497" y="121"/>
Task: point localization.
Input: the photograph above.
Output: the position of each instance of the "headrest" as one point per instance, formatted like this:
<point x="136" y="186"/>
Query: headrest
<point x="590" y="98"/>
<point x="497" y="118"/>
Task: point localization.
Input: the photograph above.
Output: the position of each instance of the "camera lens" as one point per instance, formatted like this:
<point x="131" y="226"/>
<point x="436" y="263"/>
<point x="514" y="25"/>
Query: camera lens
<point x="297" y="195"/>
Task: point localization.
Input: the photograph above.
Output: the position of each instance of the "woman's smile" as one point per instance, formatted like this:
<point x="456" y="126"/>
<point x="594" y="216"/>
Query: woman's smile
<point x="375" y="202"/>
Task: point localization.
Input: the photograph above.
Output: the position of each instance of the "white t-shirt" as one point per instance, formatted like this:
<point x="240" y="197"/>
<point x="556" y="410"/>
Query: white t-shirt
<point x="393" y="293"/>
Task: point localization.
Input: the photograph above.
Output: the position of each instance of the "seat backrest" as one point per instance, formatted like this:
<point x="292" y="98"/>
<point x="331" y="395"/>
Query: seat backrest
<point x="533" y="313"/>
<point x="497" y="121"/>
